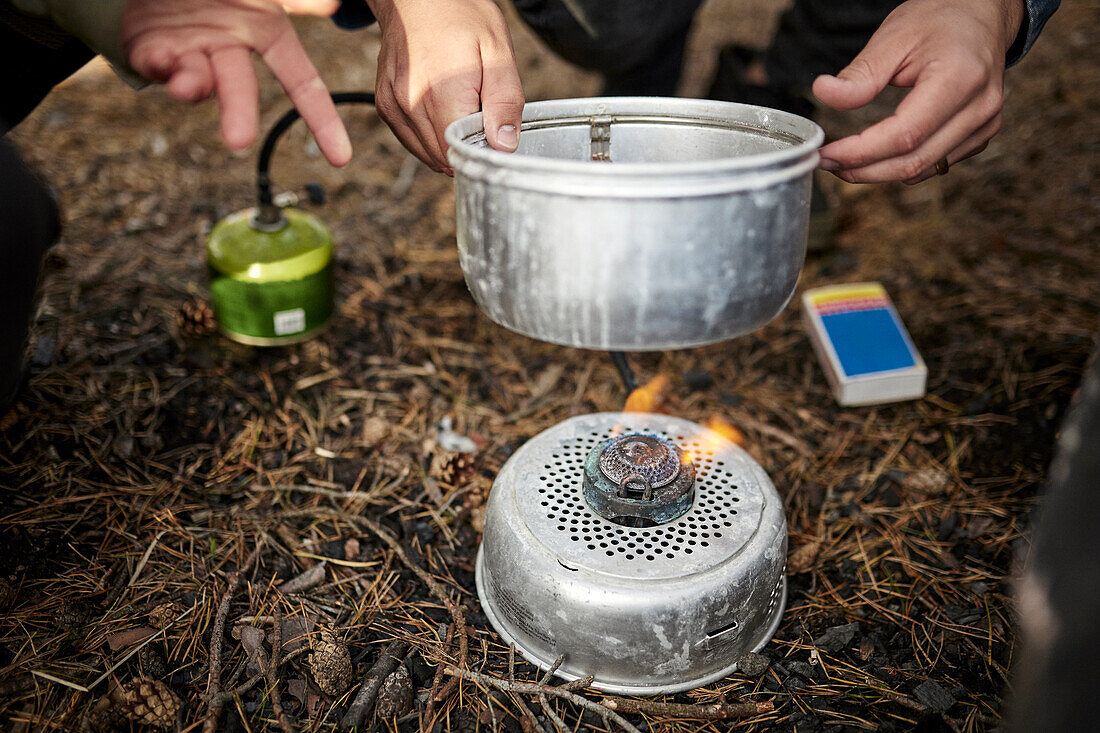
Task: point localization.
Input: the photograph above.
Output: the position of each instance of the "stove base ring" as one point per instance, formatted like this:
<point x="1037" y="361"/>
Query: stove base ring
<point x="545" y="664"/>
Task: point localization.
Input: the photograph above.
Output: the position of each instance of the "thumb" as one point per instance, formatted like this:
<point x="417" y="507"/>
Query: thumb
<point x="860" y="81"/>
<point x="502" y="106"/>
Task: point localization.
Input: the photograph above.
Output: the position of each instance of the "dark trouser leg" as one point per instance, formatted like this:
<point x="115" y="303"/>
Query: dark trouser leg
<point x="37" y="56"/>
<point x="637" y="46"/>
<point x="1058" y="598"/>
<point x="28" y="226"/>
<point x="814" y="37"/>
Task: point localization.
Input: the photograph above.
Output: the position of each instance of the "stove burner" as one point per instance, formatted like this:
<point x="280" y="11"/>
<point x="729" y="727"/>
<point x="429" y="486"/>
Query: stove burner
<point x="638" y="480"/>
<point x="640" y="458"/>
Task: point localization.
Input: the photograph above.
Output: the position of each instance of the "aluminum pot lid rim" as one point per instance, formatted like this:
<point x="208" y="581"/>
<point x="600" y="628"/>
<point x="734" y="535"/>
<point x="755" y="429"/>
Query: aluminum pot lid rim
<point x="458" y="132"/>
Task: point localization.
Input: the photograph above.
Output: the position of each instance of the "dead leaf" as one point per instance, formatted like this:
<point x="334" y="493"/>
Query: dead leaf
<point x="546" y="381"/>
<point x="926" y="482"/>
<point x="351" y="549"/>
<point x="299" y="689"/>
<point x="296" y="633"/>
<point x="123" y="639"/>
<point x="252" y="639"/>
<point x="979" y="526"/>
<point x="375" y="430"/>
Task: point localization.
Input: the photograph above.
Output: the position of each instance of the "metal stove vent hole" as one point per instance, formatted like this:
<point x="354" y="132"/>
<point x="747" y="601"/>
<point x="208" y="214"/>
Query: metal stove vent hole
<point x="564" y="503"/>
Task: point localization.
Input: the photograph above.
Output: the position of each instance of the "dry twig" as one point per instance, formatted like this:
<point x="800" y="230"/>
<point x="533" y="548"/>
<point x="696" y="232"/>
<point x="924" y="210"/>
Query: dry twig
<point x="272" y="669"/>
<point x="709" y="711"/>
<point x="215" y="701"/>
<point x="531" y="688"/>
<point x="372" y="682"/>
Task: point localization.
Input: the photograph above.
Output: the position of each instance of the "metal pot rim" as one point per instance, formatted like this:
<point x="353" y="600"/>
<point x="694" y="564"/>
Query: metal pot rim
<point x="466" y="135"/>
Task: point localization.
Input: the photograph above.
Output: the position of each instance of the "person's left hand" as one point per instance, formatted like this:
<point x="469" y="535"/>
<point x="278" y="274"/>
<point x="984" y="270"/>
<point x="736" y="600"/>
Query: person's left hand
<point x="204" y="47"/>
<point x="952" y="54"/>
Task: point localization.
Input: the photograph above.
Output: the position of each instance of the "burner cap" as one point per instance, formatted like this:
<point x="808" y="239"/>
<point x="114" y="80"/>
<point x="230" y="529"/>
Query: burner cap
<point x="638" y="480"/>
<point x="642" y="458"/>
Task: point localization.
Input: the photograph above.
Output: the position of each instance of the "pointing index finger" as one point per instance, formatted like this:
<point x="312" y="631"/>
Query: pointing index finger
<point x="288" y="62"/>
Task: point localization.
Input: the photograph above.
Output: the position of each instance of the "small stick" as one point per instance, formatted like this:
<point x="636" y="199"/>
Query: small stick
<point x="273" y="670"/>
<point x="305" y="580"/>
<point x="382" y="668"/>
<point x="519" y="700"/>
<point x="559" y="724"/>
<point x="578" y="684"/>
<point x="527" y="713"/>
<point x="710" y="711"/>
<point x="217" y="636"/>
<point x="553" y="668"/>
<point x="437" y="680"/>
<point x="255" y="679"/>
<point x="530" y="688"/>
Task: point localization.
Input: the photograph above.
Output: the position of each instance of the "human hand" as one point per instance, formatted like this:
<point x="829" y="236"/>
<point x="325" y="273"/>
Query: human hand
<point x="442" y="60"/>
<point x="952" y="54"/>
<point x="204" y="47"/>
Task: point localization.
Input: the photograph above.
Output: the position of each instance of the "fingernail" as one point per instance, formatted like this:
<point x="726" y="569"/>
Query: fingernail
<point x="829" y="165"/>
<point x="508" y="136"/>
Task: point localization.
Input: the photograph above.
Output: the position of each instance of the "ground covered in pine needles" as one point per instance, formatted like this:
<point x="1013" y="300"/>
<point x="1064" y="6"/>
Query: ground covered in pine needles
<point x="195" y="534"/>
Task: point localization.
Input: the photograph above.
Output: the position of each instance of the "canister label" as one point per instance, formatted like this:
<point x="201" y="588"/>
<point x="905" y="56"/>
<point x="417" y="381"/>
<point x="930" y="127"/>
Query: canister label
<point x="272" y="312"/>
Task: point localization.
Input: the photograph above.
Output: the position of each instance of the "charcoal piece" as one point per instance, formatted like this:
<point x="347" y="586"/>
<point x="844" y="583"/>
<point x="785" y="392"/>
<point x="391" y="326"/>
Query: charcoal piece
<point x="947" y="527"/>
<point x="934" y="696"/>
<point x="730" y="399"/>
<point x="802" y="669"/>
<point x="752" y="664"/>
<point x="698" y="380"/>
<point x="836" y="638"/>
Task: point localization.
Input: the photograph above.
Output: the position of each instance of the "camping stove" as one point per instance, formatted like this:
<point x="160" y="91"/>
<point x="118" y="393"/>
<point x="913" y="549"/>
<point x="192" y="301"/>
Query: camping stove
<point x="647" y="550"/>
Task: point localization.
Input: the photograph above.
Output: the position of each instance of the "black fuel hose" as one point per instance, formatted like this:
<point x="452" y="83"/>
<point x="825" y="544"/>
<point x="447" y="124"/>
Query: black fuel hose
<point x="263" y="165"/>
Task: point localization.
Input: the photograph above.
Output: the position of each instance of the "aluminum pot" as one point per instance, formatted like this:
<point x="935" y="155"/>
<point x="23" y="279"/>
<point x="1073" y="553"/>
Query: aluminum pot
<point x="635" y="223"/>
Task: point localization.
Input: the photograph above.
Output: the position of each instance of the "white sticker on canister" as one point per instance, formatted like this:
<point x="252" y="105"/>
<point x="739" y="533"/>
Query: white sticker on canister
<point x="290" y="321"/>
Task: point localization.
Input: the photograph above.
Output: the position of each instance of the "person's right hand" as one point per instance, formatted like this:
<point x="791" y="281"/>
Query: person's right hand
<point x="200" y="48"/>
<point x="442" y="60"/>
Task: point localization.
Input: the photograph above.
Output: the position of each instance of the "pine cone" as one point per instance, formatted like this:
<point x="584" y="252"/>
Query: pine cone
<point x="330" y="663"/>
<point x="396" y="696"/>
<point x="195" y="319"/>
<point x="453" y="469"/>
<point x="72" y="615"/>
<point x="152" y="662"/>
<point x="149" y="702"/>
<point x="164" y="615"/>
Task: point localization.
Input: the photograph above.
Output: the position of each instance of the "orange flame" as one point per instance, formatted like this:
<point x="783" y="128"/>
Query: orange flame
<point x="718" y="430"/>
<point x="649" y="396"/>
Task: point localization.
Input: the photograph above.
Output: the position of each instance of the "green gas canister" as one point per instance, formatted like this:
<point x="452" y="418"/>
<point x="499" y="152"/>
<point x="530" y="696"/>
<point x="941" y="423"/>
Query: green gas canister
<point x="271" y="275"/>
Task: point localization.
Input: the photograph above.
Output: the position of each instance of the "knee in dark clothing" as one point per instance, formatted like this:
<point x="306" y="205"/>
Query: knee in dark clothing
<point x="612" y="37"/>
<point x="29" y="225"/>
